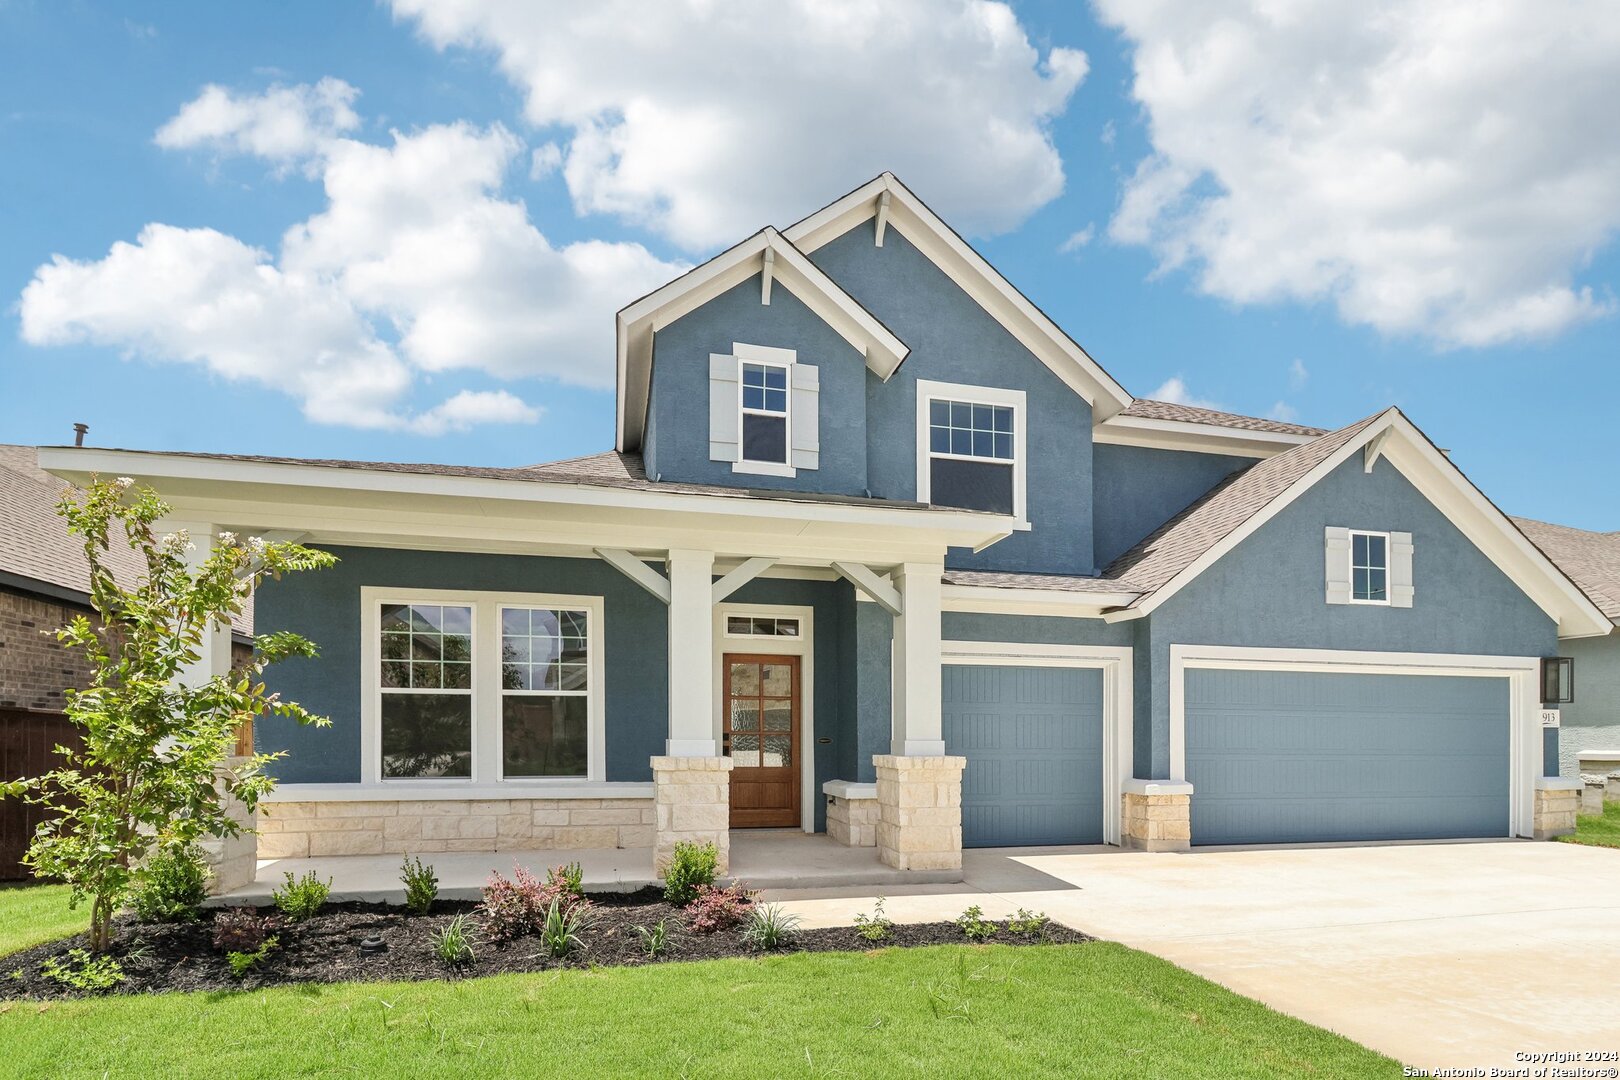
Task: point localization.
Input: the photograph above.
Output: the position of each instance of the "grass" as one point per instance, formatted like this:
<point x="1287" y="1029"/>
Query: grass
<point x="1597" y="830"/>
<point x="30" y="914"/>
<point x="1060" y="1010"/>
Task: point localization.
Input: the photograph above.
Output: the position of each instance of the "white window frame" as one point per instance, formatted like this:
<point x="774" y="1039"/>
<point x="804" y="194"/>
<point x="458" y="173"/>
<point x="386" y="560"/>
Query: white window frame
<point x="764" y="356"/>
<point x="501" y="691"/>
<point x="804" y="647"/>
<point x="928" y="392"/>
<point x="486" y="695"/>
<point x="1350" y="555"/>
<point x="750" y="636"/>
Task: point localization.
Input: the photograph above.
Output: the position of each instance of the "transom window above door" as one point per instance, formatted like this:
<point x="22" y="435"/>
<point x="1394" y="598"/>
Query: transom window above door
<point x="970" y="447"/>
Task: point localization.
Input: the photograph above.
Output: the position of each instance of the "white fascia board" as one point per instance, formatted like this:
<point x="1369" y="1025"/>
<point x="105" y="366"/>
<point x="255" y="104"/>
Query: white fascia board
<point x="1205" y="438"/>
<point x="974" y="275"/>
<point x="1445" y="486"/>
<point x="995" y="600"/>
<point x="254" y="490"/>
<point x="638" y="323"/>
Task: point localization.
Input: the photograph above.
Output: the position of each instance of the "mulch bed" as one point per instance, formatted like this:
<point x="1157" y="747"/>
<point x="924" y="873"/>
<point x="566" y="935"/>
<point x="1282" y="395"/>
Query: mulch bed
<point x="325" y="948"/>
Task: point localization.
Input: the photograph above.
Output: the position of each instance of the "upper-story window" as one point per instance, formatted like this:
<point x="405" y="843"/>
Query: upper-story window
<point x="1369" y="567"/>
<point x="970" y="447"/>
<point x="765" y="418"/>
<point x="764" y="410"/>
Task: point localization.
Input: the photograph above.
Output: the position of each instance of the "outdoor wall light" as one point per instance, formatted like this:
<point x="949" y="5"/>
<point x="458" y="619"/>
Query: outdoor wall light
<point x="1557" y="680"/>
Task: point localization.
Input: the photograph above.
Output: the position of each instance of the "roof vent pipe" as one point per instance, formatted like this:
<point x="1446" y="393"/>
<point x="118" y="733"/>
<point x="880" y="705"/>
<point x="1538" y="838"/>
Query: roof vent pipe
<point x="79" y="432"/>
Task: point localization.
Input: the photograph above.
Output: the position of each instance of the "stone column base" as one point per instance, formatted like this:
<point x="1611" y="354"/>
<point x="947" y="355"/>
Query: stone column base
<point x="1611" y="788"/>
<point x="691" y="801"/>
<point x="233" y="860"/>
<point x="1558" y="800"/>
<point x="919" y="825"/>
<point x="1156" y="815"/>
<point x="1592" y="794"/>
<point x="852" y="812"/>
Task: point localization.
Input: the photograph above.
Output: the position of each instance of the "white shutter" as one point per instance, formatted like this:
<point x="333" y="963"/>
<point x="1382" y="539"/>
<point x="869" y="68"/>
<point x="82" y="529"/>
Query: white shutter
<point x="1400" y="569"/>
<point x="1337" y="547"/>
<point x="725" y="440"/>
<point x="806" y="407"/>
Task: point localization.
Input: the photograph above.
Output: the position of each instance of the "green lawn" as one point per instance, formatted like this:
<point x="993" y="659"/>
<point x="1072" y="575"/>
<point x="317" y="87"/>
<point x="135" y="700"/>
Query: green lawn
<point x="30" y="914"/>
<point x="1598" y="830"/>
<point x="1070" y="1010"/>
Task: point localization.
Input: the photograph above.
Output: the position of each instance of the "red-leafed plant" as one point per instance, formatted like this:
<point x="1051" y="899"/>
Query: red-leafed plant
<point x="519" y="905"/>
<point x="717" y="909"/>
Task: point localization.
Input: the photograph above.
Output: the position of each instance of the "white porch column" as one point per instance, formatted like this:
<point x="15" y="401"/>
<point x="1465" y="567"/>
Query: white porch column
<point x="917" y="726"/>
<point x="691" y="654"/>
<point x="233" y="860"/>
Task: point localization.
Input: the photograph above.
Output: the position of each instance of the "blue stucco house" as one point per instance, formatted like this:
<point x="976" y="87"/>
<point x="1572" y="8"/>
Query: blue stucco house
<point x="880" y="551"/>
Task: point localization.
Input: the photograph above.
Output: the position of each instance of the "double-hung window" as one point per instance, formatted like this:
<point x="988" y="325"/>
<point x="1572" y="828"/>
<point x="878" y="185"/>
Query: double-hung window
<point x="970" y="451"/>
<point x="482" y="687"/>
<point x="765" y="413"/>
<point x="1369" y="567"/>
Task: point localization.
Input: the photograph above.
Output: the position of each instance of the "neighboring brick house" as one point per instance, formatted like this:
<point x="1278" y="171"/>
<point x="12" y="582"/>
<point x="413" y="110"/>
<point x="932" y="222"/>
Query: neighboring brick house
<point x="44" y="583"/>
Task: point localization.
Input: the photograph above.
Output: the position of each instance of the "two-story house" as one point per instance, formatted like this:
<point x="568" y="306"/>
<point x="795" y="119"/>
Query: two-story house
<point x="882" y="552"/>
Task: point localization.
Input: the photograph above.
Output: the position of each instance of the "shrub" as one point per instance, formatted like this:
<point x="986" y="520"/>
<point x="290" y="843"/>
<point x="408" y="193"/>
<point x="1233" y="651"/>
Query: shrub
<point x="244" y="962"/>
<point x="770" y="927"/>
<point x="874" y="927"/>
<point x="519" y="905"/>
<point x="91" y="974"/>
<point x="301" y="897"/>
<point x="172" y="885"/>
<point x="242" y="929"/>
<point x="1031" y="923"/>
<point x="563" y="925"/>
<point x="693" y="864"/>
<point x="421" y="885"/>
<point x="974" y="925"/>
<point x="568" y="877"/>
<point x="715" y="909"/>
<point x="654" y="938"/>
<point x="452" y="942"/>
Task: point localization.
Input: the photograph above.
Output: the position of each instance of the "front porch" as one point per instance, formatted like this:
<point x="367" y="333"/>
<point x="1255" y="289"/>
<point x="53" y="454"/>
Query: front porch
<point x="775" y="859"/>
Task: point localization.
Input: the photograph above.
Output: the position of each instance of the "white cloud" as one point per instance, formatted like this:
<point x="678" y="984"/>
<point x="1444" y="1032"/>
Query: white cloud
<point x="1298" y="375"/>
<point x="705" y="121"/>
<point x="416" y="264"/>
<point x="1078" y="240"/>
<point x="284" y="123"/>
<point x="545" y="160"/>
<point x="1284" y="412"/>
<point x="1174" y="390"/>
<point x="1443" y="168"/>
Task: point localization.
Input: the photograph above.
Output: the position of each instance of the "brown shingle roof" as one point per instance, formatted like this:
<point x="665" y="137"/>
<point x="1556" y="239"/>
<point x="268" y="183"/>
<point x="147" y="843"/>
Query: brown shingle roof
<point x="1179" y="542"/>
<point x="997" y="579"/>
<point x="1192" y="414"/>
<point x="35" y="547"/>
<point x="1591" y="559"/>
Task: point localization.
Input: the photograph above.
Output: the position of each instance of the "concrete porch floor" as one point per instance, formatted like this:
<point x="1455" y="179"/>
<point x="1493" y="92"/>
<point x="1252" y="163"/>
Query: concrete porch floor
<point x="767" y="859"/>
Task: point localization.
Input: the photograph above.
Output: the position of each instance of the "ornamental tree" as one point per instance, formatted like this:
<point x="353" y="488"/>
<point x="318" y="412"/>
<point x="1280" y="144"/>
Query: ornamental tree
<point x="156" y="769"/>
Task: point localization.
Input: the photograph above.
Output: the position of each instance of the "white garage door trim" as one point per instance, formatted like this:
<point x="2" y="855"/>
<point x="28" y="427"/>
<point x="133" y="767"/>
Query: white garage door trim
<point x="1524" y="751"/>
<point x="1115" y="664"/>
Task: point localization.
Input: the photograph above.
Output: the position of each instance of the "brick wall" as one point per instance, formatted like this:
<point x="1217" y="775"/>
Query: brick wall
<point x="34" y="667"/>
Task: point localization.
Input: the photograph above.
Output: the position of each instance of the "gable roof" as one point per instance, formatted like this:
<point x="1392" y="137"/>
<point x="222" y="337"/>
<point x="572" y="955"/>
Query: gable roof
<point x="786" y="266"/>
<point x="1196" y="538"/>
<point x="38" y="554"/>
<point x="1592" y="559"/>
<point x="895" y="205"/>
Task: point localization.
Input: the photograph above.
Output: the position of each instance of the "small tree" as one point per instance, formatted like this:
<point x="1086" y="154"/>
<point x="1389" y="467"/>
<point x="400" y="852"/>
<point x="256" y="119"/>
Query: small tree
<point x="153" y="771"/>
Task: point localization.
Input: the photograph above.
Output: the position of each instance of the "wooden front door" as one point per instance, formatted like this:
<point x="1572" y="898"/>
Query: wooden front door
<point x="762" y="739"/>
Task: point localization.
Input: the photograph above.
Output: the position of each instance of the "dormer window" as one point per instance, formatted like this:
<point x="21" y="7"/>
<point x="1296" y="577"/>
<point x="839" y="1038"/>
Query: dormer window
<point x="970" y="447"/>
<point x="764" y="420"/>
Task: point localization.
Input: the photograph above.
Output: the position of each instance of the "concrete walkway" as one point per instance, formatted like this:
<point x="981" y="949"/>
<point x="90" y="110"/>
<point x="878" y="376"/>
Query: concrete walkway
<point x="1440" y="955"/>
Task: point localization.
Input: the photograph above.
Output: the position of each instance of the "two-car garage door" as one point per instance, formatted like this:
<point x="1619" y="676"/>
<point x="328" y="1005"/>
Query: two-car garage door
<point x="1294" y="756"/>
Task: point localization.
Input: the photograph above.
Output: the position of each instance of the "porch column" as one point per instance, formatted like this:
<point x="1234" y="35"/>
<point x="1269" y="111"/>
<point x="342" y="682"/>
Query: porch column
<point x="232" y="860"/>
<point x="691" y="654"/>
<point x="919" y="788"/>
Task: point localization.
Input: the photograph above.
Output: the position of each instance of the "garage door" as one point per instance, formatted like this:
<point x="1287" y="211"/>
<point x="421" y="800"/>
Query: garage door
<point x="1294" y="757"/>
<point x="1032" y="737"/>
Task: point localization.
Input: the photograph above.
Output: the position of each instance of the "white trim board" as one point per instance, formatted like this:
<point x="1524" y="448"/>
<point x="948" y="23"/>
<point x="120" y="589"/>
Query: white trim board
<point x="1523" y="672"/>
<point x="1147" y="431"/>
<point x="1115" y="662"/>
<point x="1033" y="328"/>
<point x="804" y="647"/>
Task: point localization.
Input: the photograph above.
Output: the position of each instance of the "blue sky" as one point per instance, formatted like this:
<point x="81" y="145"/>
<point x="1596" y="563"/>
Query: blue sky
<point x="1273" y="279"/>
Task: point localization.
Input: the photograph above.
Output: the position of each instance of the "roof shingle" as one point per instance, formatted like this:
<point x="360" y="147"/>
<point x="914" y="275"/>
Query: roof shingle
<point x="1148" y="409"/>
<point x="1591" y="559"/>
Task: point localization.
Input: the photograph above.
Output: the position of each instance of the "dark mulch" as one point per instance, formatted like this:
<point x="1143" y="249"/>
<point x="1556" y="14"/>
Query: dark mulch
<point x="325" y="949"/>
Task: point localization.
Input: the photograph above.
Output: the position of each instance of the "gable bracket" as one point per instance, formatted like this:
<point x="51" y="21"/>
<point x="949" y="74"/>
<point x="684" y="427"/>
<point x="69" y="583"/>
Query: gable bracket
<point x="1374" y="450"/>
<point x="880" y="589"/>
<point x="636" y="570"/>
<point x="882" y="216"/>
<point x="765" y="277"/>
<point x="745" y="572"/>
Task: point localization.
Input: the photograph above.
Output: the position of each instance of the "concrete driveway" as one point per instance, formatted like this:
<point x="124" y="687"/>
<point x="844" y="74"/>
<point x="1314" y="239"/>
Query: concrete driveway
<point x="1442" y="955"/>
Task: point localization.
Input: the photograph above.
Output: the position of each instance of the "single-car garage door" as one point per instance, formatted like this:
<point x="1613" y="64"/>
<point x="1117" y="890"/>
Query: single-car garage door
<point x="1296" y="757"/>
<point x="1033" y="739"/>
